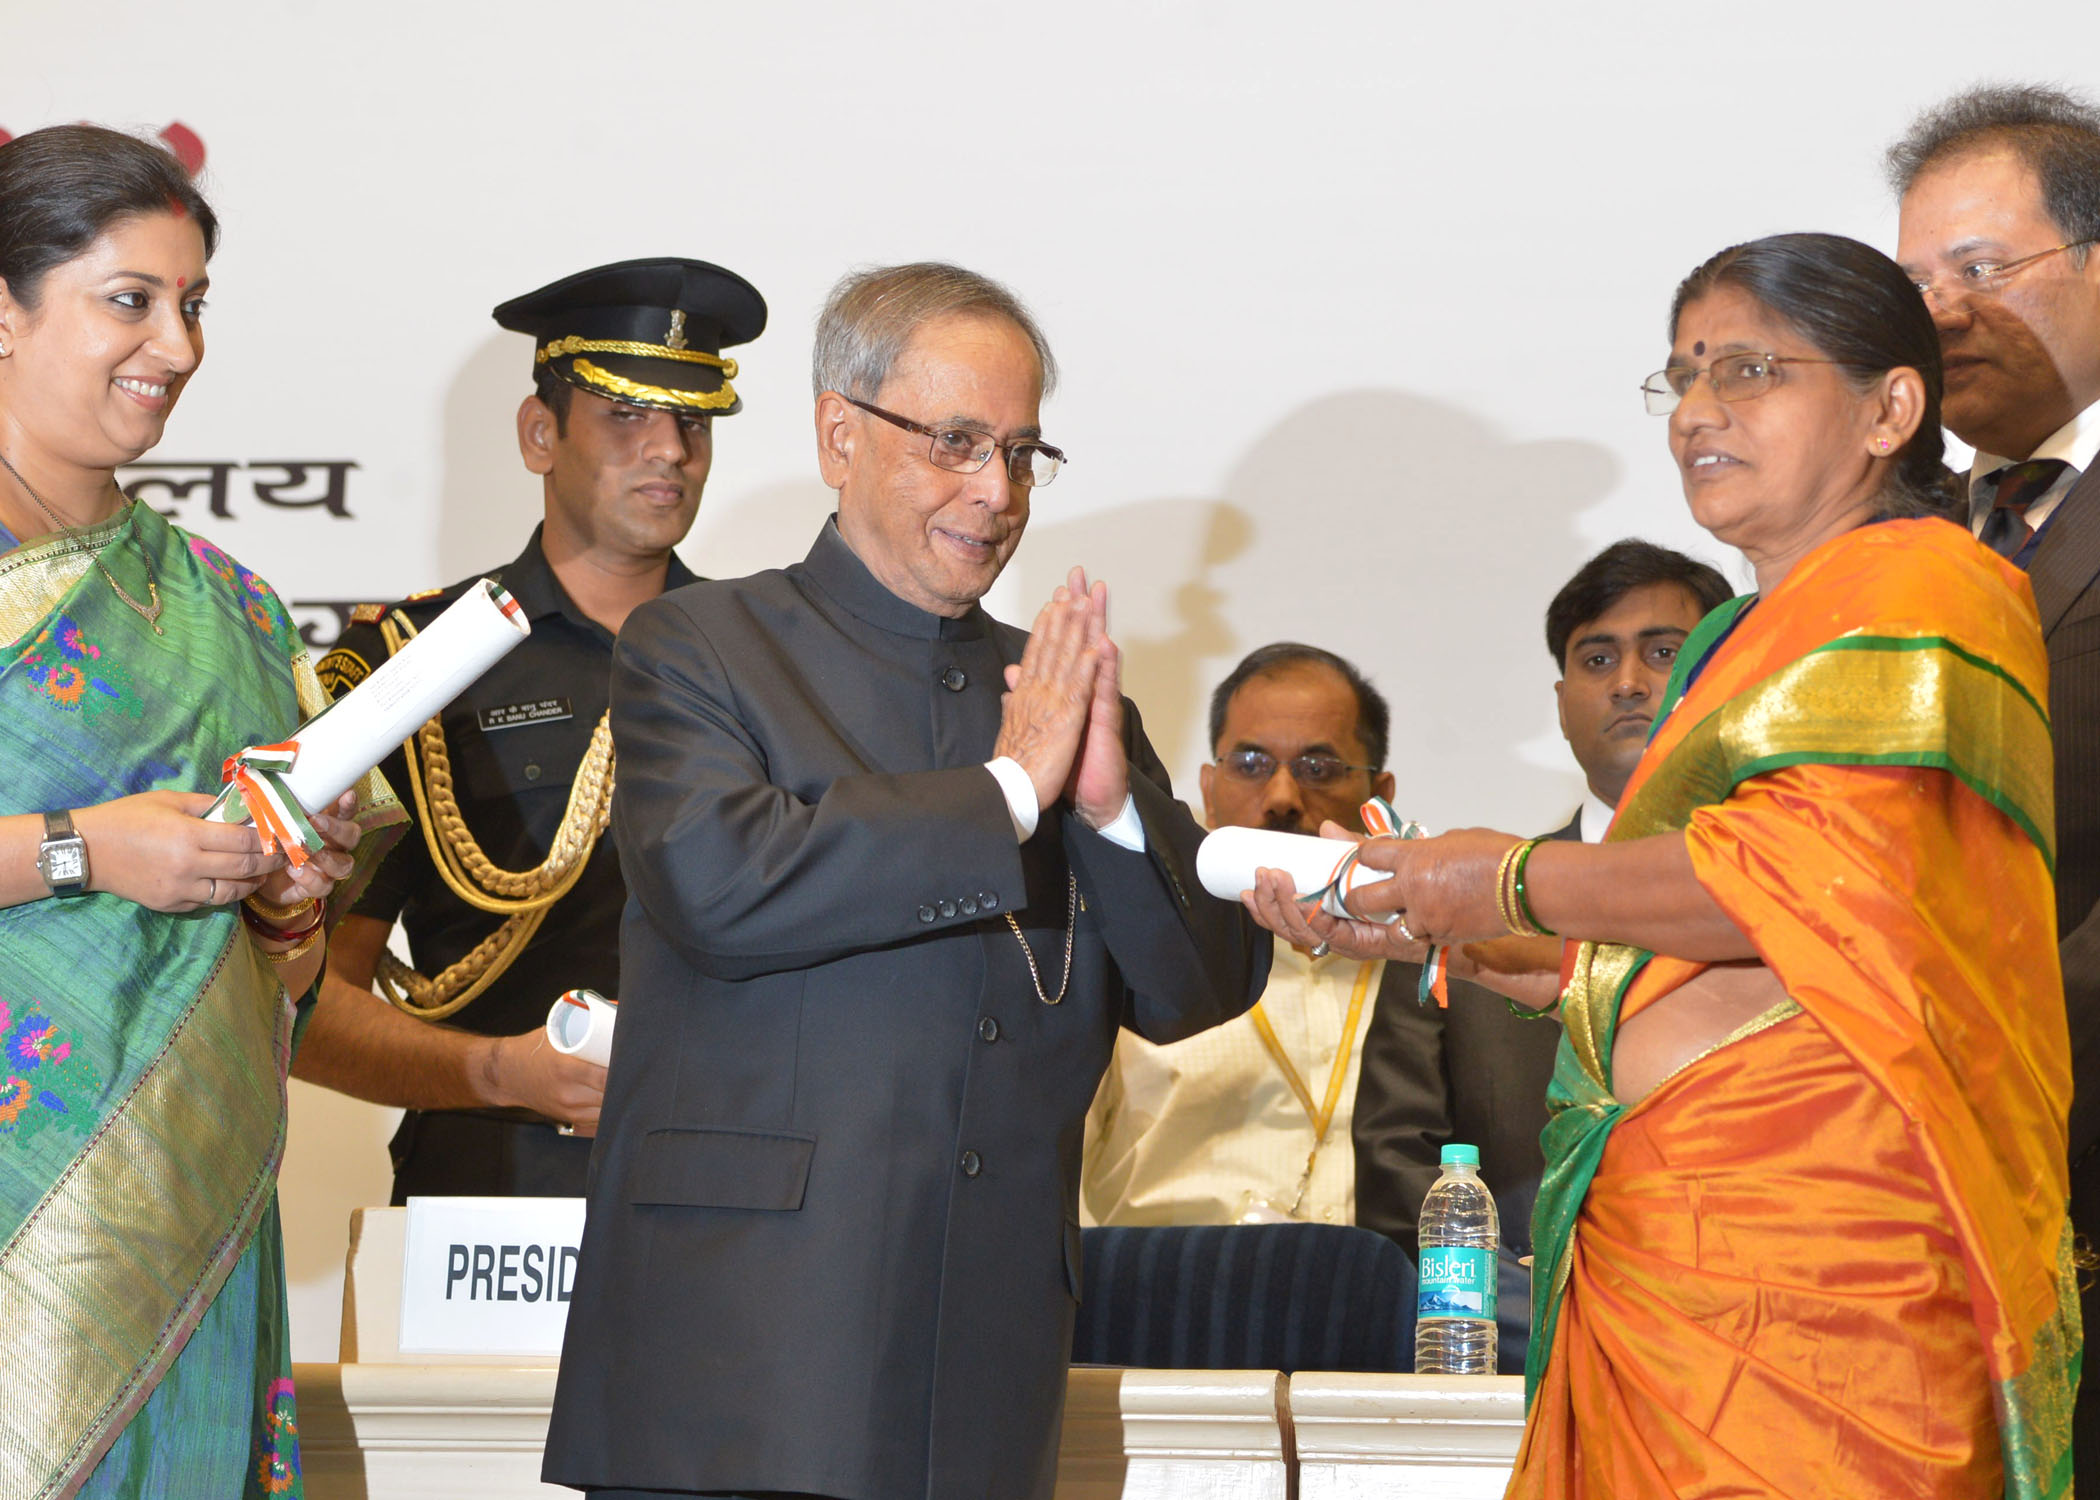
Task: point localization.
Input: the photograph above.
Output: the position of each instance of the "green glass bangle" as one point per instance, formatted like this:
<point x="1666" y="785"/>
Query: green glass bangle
<point x="1526" y="1013"/>
<point x="1523" y="902"/>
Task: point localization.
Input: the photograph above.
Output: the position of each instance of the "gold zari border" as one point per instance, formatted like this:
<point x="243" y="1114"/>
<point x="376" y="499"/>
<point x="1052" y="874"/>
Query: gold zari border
<point x="2035" y="1406"/>
<point x="39" y="573"/>
<point x="106" y="1276"/>
<point x="1918" y="706"/>
<point x="1589" y="1006"/>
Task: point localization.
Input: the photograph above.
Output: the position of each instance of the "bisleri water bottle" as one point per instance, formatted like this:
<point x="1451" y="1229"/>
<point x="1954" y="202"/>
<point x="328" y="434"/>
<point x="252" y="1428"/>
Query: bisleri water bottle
<point x="1455" y="1296"/>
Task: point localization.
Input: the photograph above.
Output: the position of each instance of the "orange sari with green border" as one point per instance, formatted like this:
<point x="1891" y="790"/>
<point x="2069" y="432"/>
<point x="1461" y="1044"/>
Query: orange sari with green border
<point x="1831" y="1256"/>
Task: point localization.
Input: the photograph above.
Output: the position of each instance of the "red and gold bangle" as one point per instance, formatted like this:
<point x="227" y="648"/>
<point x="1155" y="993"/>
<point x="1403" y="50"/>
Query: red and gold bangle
<point x="300" y="949"/>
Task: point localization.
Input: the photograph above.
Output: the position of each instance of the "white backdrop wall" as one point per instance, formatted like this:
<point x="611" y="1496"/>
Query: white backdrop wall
<point x="1351" y="300"/>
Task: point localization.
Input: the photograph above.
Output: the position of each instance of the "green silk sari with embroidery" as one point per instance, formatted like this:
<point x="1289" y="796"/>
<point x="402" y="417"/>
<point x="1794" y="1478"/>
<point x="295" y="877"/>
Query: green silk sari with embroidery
<point x="1900" y="646"/>
<point x="142" y="1086"/>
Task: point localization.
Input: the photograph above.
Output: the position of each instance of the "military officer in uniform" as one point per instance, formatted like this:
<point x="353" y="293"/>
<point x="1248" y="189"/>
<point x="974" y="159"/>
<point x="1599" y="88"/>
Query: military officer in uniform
<point x="506" y="889"/>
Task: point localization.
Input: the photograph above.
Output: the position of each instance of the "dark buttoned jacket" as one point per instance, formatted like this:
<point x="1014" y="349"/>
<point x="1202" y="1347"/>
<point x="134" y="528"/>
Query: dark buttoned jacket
<point x="832" y="1244"/>
<point x="2065" y="575"/>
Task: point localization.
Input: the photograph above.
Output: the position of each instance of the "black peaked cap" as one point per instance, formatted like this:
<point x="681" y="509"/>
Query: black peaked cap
<point x="646" y="332"/>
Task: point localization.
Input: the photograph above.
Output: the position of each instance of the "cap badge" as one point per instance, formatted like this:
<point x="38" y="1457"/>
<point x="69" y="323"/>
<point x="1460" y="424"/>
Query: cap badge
<point x="675" y="339"/>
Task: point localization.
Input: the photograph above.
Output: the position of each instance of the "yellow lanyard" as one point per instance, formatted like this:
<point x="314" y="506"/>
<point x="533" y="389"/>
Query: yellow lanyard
<point x="1322" y="1117"/>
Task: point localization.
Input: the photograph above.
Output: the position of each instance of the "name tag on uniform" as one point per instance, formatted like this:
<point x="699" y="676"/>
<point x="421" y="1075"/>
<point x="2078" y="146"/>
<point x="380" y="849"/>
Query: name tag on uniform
<point x="488" y="1275"/>
<point x="539" y="711"/>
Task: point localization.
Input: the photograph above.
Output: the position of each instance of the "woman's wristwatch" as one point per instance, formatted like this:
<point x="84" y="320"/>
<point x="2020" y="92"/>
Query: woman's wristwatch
<point x="62" y="857"/>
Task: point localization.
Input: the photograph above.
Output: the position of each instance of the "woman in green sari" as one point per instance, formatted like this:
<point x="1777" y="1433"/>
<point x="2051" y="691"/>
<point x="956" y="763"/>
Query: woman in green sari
<point x="153" y="966"/>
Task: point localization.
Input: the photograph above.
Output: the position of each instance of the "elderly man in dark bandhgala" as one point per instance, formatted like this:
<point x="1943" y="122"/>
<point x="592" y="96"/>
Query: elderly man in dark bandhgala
<point x="2000" y="229"/>
<point x="897" y="872"/>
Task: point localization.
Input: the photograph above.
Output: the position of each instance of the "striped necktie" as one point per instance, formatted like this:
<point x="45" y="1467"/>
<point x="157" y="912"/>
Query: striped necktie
<point x="2005" y="529"/>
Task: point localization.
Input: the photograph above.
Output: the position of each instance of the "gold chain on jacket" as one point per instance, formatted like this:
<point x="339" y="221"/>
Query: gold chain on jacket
<point x="521" y="897"/>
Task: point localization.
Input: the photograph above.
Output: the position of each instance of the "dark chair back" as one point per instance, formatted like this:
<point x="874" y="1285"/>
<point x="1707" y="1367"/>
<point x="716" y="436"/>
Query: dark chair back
<point x="1283" y="1297"/>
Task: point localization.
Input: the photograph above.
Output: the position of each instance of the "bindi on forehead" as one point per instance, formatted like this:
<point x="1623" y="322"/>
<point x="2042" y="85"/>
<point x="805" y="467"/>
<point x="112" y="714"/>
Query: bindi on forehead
<point x="181" y="282"/>
<point x="1699" y="347"/>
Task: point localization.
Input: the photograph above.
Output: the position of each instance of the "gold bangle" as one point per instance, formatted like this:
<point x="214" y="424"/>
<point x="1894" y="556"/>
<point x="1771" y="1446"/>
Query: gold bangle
<point x="282" y="916"/>
<point x="299" y="949"/>
<point x="1503" y="908"/>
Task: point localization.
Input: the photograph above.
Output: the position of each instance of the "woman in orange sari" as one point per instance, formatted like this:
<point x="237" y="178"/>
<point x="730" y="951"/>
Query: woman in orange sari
<point x="1803" y="1228"/>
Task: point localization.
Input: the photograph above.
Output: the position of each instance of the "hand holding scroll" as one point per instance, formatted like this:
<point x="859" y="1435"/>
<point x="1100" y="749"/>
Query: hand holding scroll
<point x="524" y="1072"/>
<point x="1274" y="901"/>
<point x="155" y="848"/>
<point x="1442" y="889"/>
<point x="1443" y="886"/>
<point x="315" y="879"/>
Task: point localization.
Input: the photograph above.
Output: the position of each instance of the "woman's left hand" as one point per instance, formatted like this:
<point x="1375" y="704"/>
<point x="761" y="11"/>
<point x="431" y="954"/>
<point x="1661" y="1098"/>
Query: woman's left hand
<point x="314" y="880"/>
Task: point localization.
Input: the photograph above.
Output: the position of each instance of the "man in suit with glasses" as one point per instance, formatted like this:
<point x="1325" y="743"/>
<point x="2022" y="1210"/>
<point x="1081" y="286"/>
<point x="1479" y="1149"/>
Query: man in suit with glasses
<point x="2000" y="228"/>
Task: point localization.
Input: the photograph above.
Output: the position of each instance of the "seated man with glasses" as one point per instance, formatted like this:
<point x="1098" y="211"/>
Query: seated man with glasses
<point x="1249" y="1122"/>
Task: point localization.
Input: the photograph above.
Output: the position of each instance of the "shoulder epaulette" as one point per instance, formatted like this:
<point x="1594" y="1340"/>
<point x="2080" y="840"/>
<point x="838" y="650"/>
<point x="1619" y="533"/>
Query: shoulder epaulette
<point x="367" y="614"/>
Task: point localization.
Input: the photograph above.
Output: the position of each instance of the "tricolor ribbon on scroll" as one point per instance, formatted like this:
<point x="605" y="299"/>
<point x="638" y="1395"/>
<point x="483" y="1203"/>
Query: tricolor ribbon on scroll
<point x="277" y="785"/>
<point x="1326" y="870"/>
<point x="1380" y="821"/>
<point x="257" y="774"/>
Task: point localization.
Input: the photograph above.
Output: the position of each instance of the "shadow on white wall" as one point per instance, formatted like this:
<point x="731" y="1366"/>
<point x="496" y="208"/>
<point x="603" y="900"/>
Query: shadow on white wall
<point x="1405" y="533"/>
<point x="488" y="503"/>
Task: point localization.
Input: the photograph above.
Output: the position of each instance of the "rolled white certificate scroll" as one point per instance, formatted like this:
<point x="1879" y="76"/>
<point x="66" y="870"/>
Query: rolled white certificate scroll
<point x="355" y="733"/>
<point x="581" y="1025"/>
<point x="1228" y="857"/>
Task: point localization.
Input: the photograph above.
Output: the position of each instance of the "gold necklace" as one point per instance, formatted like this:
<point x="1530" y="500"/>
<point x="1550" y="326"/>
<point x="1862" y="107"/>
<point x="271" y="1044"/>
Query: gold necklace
<point x="149" y="613"/>
<point x="1071" y="927"/>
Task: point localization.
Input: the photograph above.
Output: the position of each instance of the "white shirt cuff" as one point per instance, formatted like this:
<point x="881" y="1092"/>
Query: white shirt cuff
<point x="1021" y="805"/>
<point x="1127" y="829"/>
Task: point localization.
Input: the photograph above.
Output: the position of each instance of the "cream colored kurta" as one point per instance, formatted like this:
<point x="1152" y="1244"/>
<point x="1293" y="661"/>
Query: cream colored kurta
<point x="1188" y="1133"/>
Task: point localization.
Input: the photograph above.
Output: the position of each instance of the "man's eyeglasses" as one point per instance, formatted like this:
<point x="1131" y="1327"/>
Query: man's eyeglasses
<point x="1988" y="277"/>
<point x="1736" y="377"/>
<point x="962" y="451"/>
<point x="1307" y="770"/>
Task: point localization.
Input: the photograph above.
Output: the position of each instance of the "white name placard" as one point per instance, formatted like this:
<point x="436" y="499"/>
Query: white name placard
<point x="488" y="1275"/>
